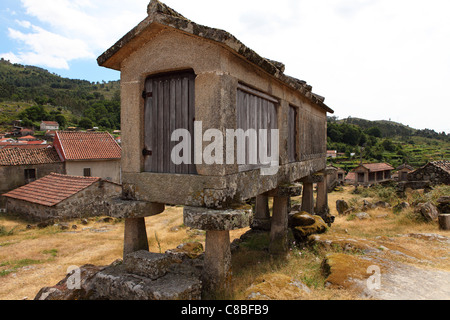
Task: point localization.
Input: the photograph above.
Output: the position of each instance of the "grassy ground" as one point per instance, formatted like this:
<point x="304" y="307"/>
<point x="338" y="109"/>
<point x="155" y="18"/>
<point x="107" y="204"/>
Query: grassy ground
<point x="34" y="258"/>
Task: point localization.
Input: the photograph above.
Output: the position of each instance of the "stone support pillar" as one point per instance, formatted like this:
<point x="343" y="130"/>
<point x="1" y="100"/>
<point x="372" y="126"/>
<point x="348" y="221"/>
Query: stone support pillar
<point x="217" y="224"/>
<point x="279" y="228"/>
<point x="261" y="220"/>
<point x="280" y="218"/>
<point x="135" y="238"/>
<point x="308" y="197"/>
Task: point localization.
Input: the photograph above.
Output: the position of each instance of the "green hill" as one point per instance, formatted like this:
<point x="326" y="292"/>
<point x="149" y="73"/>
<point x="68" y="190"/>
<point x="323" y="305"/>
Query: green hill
<point x="386" y="141"/>
<point x="22" y="87"/>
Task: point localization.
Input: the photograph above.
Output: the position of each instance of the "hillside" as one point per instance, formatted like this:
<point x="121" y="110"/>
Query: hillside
<point x="22" y="87"/>
<point x="377" y="141"/>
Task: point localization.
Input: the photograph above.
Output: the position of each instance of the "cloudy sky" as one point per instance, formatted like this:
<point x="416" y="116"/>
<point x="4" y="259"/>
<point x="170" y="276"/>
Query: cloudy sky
<point x="373" y="59"/>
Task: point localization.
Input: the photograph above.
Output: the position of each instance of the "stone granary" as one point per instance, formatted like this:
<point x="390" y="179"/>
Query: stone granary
<point x="176" y="74"/>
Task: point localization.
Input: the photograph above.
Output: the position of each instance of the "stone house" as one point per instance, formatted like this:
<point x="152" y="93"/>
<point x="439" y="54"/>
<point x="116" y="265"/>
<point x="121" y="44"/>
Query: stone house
<point x="58" y="196"/>
<point x="49" y="125"/>
<point x="89" y="154"/>
<point x="402" y="172"/>
<point x="176" y="74"/>
<point x="19" y="166"/>
<point x="436" y="172"/>
<point x="372" y="173"/>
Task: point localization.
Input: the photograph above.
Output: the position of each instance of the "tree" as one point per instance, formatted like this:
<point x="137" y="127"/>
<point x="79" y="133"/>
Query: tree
<point x="374" y="132"/>
<point x="85" y="123"/>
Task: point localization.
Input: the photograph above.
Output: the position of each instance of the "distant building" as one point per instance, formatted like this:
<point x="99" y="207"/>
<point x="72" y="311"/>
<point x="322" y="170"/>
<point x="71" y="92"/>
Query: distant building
<point x="331" y="154"/>
<point x="59" y="196"/>
<point x="49" y="125"/>
<point x="436" y="172"/>
<point x="90" y="154"/>
<point x="371" y="173"/>
<point x="402" y="172"/>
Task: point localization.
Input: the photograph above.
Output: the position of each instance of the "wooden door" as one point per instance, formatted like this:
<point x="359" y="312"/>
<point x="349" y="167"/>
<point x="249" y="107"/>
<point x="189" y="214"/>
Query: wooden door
<point x="169" y="105"/>
<point x="255" y="110"/>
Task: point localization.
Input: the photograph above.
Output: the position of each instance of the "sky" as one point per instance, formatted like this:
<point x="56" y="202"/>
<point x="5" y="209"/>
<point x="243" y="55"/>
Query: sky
<point x="371" y="59"/>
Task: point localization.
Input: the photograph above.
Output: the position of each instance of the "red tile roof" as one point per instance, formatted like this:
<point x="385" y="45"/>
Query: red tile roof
<point x="20" y="156"/>
<point x="87" y="145"/>
<point x="51" y="123"/>
<point x="52" y="189"/>
<point x="374" y="167"/>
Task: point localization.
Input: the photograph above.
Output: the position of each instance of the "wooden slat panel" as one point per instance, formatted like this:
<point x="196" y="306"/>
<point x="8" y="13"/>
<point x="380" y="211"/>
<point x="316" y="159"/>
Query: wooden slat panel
<point x="171" y="106"/>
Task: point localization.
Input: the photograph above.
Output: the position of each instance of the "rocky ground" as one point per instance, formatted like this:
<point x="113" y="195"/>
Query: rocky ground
<point x="379" y="253"/>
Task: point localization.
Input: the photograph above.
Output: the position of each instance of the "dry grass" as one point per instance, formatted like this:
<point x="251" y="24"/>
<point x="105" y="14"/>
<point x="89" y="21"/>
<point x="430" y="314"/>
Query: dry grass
<point x="34" y="258"/>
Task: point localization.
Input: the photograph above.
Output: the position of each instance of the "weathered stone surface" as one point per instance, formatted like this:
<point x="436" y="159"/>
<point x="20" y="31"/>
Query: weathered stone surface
<point x="427" y="210"/>
<point x="148" y="264"/>
<point x="217" y="220"/>
<point x="114" y="283"/>
<point x="191" y="250"/>
<point x="382" y="204"/>
<point x="444" y="221"/>
<point x="443" y="204"/>
<point x="294" y="190"/>
<point x="341" y="206"/>
<point x="301" y="234"/>
<point x="120" y="208"/>
<point x="362" y="215"/>
<point x="401" y="206"/>
<point x="301" y="219"/>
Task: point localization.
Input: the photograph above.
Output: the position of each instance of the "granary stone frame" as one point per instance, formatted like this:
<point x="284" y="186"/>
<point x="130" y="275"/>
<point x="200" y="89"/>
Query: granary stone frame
<point x="166" y="43"/>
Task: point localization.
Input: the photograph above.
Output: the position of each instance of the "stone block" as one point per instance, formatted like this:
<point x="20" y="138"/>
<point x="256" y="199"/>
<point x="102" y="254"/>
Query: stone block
<point x="217" y="220"/>
<point x="148" y="264"/>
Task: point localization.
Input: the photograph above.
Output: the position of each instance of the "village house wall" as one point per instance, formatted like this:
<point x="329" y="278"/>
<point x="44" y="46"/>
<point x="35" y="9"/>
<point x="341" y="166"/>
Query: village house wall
<point x="89" y="202"/>
<point x="12" y="177"/>
<point x="431" y="173"/>
<point x="105" y="169"/>
<point x="218" y="73"/>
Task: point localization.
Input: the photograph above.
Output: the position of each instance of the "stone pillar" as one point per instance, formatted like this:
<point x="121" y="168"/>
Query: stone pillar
<point x="280" y="218"/>
<point x="217" y="224"/>
<point x="261" y="220"/>
<point x="322" y="198"/>
<point x="217" y="265"/>
<point x="308" y="197"/>
<point x="279" y="228"/>
<point x="135" y="238"/>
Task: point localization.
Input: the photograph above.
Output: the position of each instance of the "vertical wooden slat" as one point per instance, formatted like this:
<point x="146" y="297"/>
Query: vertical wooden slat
<point x="160" y="125"/>
<point x="154" y="128"/>
<point x="192" y="169"/>
<point x="172" y="90"/>
<point x="166" y="125"/>
<point x="148" y="123"/>
<point x="179" y="114"/>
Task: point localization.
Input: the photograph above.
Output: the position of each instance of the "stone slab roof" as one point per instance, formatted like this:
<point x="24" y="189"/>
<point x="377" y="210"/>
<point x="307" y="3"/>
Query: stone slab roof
<point x="161" y="14"/>
<point x="444" y="165"/>
<point x="22" y="156"/>
<point x="74" y="145"/>
<point x="52" y="189"/>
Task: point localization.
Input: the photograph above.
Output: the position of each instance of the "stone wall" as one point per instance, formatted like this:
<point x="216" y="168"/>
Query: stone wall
<point x="430" y="173"/>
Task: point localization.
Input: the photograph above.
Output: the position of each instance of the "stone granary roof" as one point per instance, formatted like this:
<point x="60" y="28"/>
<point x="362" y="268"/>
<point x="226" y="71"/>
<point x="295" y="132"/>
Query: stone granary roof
<point x="162" y="17"/>
<point x="52" y="189"/>
<point x="87" y="146"/>
<point x="21" y="156"/>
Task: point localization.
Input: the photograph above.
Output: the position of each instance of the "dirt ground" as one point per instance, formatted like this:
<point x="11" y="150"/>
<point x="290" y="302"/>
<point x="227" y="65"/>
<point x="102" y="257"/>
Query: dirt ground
<point x="414" y="258"/>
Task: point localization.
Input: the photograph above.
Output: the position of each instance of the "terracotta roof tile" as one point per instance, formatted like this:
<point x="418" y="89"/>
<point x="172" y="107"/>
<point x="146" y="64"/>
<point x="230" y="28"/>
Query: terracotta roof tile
<point x="20" y="156"/>
<point x="374" y="167"/>
<point x="52" y="189"/>
<point x="87" y="145"/>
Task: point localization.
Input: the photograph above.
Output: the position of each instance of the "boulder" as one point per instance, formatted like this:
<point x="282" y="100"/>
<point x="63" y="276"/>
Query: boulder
<point x="362" y="215"/>
<point x="341" y="206"/>
<point x="382" y="204"/>
<point x="301" y="233"/>
<point x="301" y="219"/>
<point x="148" y="264"/>
<point x="428" y="211"/>
<point x="401" y="206"/>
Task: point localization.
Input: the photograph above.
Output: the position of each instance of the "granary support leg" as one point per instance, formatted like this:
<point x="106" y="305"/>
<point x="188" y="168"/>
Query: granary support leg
<point x="135" y="238"/>
<point x="261" y="220"/>
<point x="280" y="217"/>
<point x="322" y="208"/>
<point x="217" y="268"/>
<point x="308" y="197"/>
<point x="217" y="224"/>
<point x="279" y="228"/>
